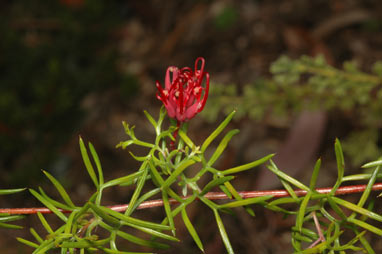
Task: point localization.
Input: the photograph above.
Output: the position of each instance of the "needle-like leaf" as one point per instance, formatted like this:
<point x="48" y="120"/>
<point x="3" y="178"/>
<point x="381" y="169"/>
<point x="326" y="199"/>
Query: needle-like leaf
<point x="191" y="229"/>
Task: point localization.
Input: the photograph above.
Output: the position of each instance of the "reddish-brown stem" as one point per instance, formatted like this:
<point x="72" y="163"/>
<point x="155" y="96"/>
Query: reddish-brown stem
<point x="210" y="195"/>
<point x="175" y="135"/>
<point x="321" y="237"/>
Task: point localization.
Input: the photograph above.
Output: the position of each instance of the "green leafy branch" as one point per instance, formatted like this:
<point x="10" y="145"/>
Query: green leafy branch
<point x="321" y="216"/>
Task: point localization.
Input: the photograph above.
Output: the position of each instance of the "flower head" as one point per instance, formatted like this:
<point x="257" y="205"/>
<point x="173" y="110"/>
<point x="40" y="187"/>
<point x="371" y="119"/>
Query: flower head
<point x="183" y="94"/>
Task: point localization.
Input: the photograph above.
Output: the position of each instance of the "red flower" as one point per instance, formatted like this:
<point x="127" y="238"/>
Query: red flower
<point x="183" y="94"/>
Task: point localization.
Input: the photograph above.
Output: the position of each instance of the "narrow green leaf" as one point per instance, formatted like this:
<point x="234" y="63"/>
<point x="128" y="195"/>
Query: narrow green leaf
<point x="171" y="155"/>
<point x="163" y="163"/>
<point x="358" y="177"/>
<point x="221" y="147"/>
<point x="124" y="144"/>
<point x="370" y="207"/>
<point x="209" y="203"/>
<point x="191" y="229"/>
<point x="68" y="225"/>
<point x="106" y="217"/>
<point x="152" y="121"/>
<point x="138" y="158"/>
<point x="215" y="182"/>
<point x="60" y="189"/>
<point x="301" y="211"/>
<point x="123" y="180"/>
<point x="340" y="165"/>
<point x="184" y="188"/>
<point x="26" y="242"/>
<point x="84" y="243"/>
<point x="186" y="139"/>
<point x="165" y="134"/>
<point x="146" y="196"/>
<point x="179" y="208"/>
<point x="179" y="169"/>
<point x="155" y="174"/>
<point x="365" y="243"/>
<point x="247" y="166"/>
<point x="272" y="167"/>
<point x="113" y="237"/>
<point x="35" y="235"/>
<point x="327" y="215"/>
<point x="134" y="221"/>
<point x="66" y="251"/>
<point x="296" y="243"/>
<point x="134" y="239"/>
<point x="285" y="200"/>
<point x="349" y="245"/>
<point x="9" y="226"/>
<point x="289" y="189"/>
<point x="138" y="189"/>
<point x="94" y="225"/>
<point x="45" y="223"/>
<point x="238" y="197"/>
<point x="223" y="233"/>
<point x="216" y="132"/>
<point x="157" y="178"/>
<point x="11" y="191"/>
<point x="307" y="232"/>
<point x="152" y="232"/>
<point x="336" y="208"/>
<point x="358" y="209"/>
<point x="369" y="186"/>
<point x="313" y="179"/>
<point x="366" y="226"/>
<point x="373" y="164"/>
<point x="167" y="209"/>
<point x="9" y="218"/>
<point x="144" y="144"/>
<point x="300" y="237"/>
<point x="45" y="246"/>
<point x="88" y="165"/>
<point x="140" y="241"/>
<point x="248" y="201"/>
<point x="179" y="155"/>
<point x="226" y="191"/>
<point x="49" y="205"/>
<point x="97" y="162"/>
<point x="54" y="202"/>
<point x="162" y="115"/>
<point x="279" y="209"/>
<point x="85" y="208"/>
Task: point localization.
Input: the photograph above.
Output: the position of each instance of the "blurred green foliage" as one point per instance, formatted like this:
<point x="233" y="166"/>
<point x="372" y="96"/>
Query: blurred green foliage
<point x="226" y="18"/>
<point x="52" y="54"/>
<point x="311" y="84"/>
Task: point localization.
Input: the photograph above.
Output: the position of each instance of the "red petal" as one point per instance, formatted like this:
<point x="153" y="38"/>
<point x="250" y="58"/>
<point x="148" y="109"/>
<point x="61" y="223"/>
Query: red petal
<point x="205" y="96"/>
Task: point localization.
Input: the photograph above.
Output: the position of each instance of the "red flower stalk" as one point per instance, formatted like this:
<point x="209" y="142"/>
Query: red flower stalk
<point x="183" y="94"/>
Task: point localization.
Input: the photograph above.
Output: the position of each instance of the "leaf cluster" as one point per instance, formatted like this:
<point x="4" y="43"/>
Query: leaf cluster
<point x="94" y="227"/>
<point x="168" y="169"/>
<point x="323" y="219"/>
<point x="6" y="217"/>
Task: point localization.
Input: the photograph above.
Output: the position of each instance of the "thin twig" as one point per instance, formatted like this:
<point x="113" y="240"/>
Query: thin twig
<point x="210" y="195"/>
<point x="321" y="237"/>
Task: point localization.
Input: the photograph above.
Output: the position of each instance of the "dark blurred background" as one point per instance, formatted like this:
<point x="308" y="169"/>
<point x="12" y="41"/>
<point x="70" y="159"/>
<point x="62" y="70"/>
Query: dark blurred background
<point x="77" y="67"/>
